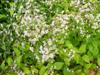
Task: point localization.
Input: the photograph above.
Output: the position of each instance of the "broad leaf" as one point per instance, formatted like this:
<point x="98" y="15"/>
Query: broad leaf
<point x="58" y="65"/>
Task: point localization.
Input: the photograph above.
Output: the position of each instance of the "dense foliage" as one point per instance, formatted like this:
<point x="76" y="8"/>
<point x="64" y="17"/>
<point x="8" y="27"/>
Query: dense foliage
<point x="49" y="37"/>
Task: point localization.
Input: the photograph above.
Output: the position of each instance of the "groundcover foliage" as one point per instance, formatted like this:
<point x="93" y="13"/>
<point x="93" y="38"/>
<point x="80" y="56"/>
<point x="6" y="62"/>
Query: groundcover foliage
<point x="49" y="37"/>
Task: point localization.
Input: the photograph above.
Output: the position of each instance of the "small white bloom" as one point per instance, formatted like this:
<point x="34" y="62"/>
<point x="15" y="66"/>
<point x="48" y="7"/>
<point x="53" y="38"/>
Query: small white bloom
<point x="71" y="54"/>
<point x="21" y="73"/>
<point x="41" y="50"/>
<point x="44" y="57"/>
<point x="46" y="50"/>
<point x="51" y="55"/>
<point x="25" y="33"/>
<point x="32" y="49"/>
<point x="49" y="42"/>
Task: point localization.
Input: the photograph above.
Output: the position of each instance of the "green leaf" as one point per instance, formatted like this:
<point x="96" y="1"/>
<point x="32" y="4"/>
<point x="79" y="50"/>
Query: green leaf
<point x="93" y="66"/>
<point x="87" y="66"/>
<point x="17" y="52"/>
<point x="82" y="48"/>
<point x="98" y="61"/>
<point x="67" y="61"/>
<point x="34" y="69"/>
<point x="2" y="16"/>
<point x="94" y="51"/>
<point x="18" y="60"/>
<point x="93" y="48"/>
<point x="3" y="66"/>
<point x="11" y="73"/>
<point x="26" y="70"/>
<point x="42" y="70"/>
<point x="10" y="61"/>
<point x="61" y="41"/>
<point x="58" y="65"/>
<point x="77" y="58"/>
<point x="98" y="73"/>
<point x="66" y="71"/>
<point x="11" y="12"/>
<point x="68" y="44"/>
<point x="86" y="58"/>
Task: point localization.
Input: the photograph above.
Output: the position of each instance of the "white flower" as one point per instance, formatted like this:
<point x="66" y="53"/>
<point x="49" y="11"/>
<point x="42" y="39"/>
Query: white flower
<point x="66" y="27"/>
<point x="41" y="49"/>
<point x="44" y="57"/>
<point x="23" y="44"/>
<point x="71" y="53"/>
<point x="32" y="49"/>
<point x="53" y="23"/>
<point x="42" y="32"/>
<point x="98" y="16"/>
<point x="46" y="31"/>
<point x="1" y="32"/>
<point x="63" y="23"/>
<point x="56" y="30"/>
<point x="25" y="33"/>
<point x="17" y="32"/>
<point x="28" y="18"/>
<point x="21" y="73"/>
<point x="37" y="57"/>
<point x="88" y="36"/>
<point x="84" y="10"/>
<point x="49" y="42"/>
<point x="51" y="55"/>
<point x="32" y="41"/>
<point x="46" y="50"/>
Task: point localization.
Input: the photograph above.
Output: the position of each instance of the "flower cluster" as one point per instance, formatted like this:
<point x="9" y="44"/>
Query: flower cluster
<point x="31" y="33"/>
